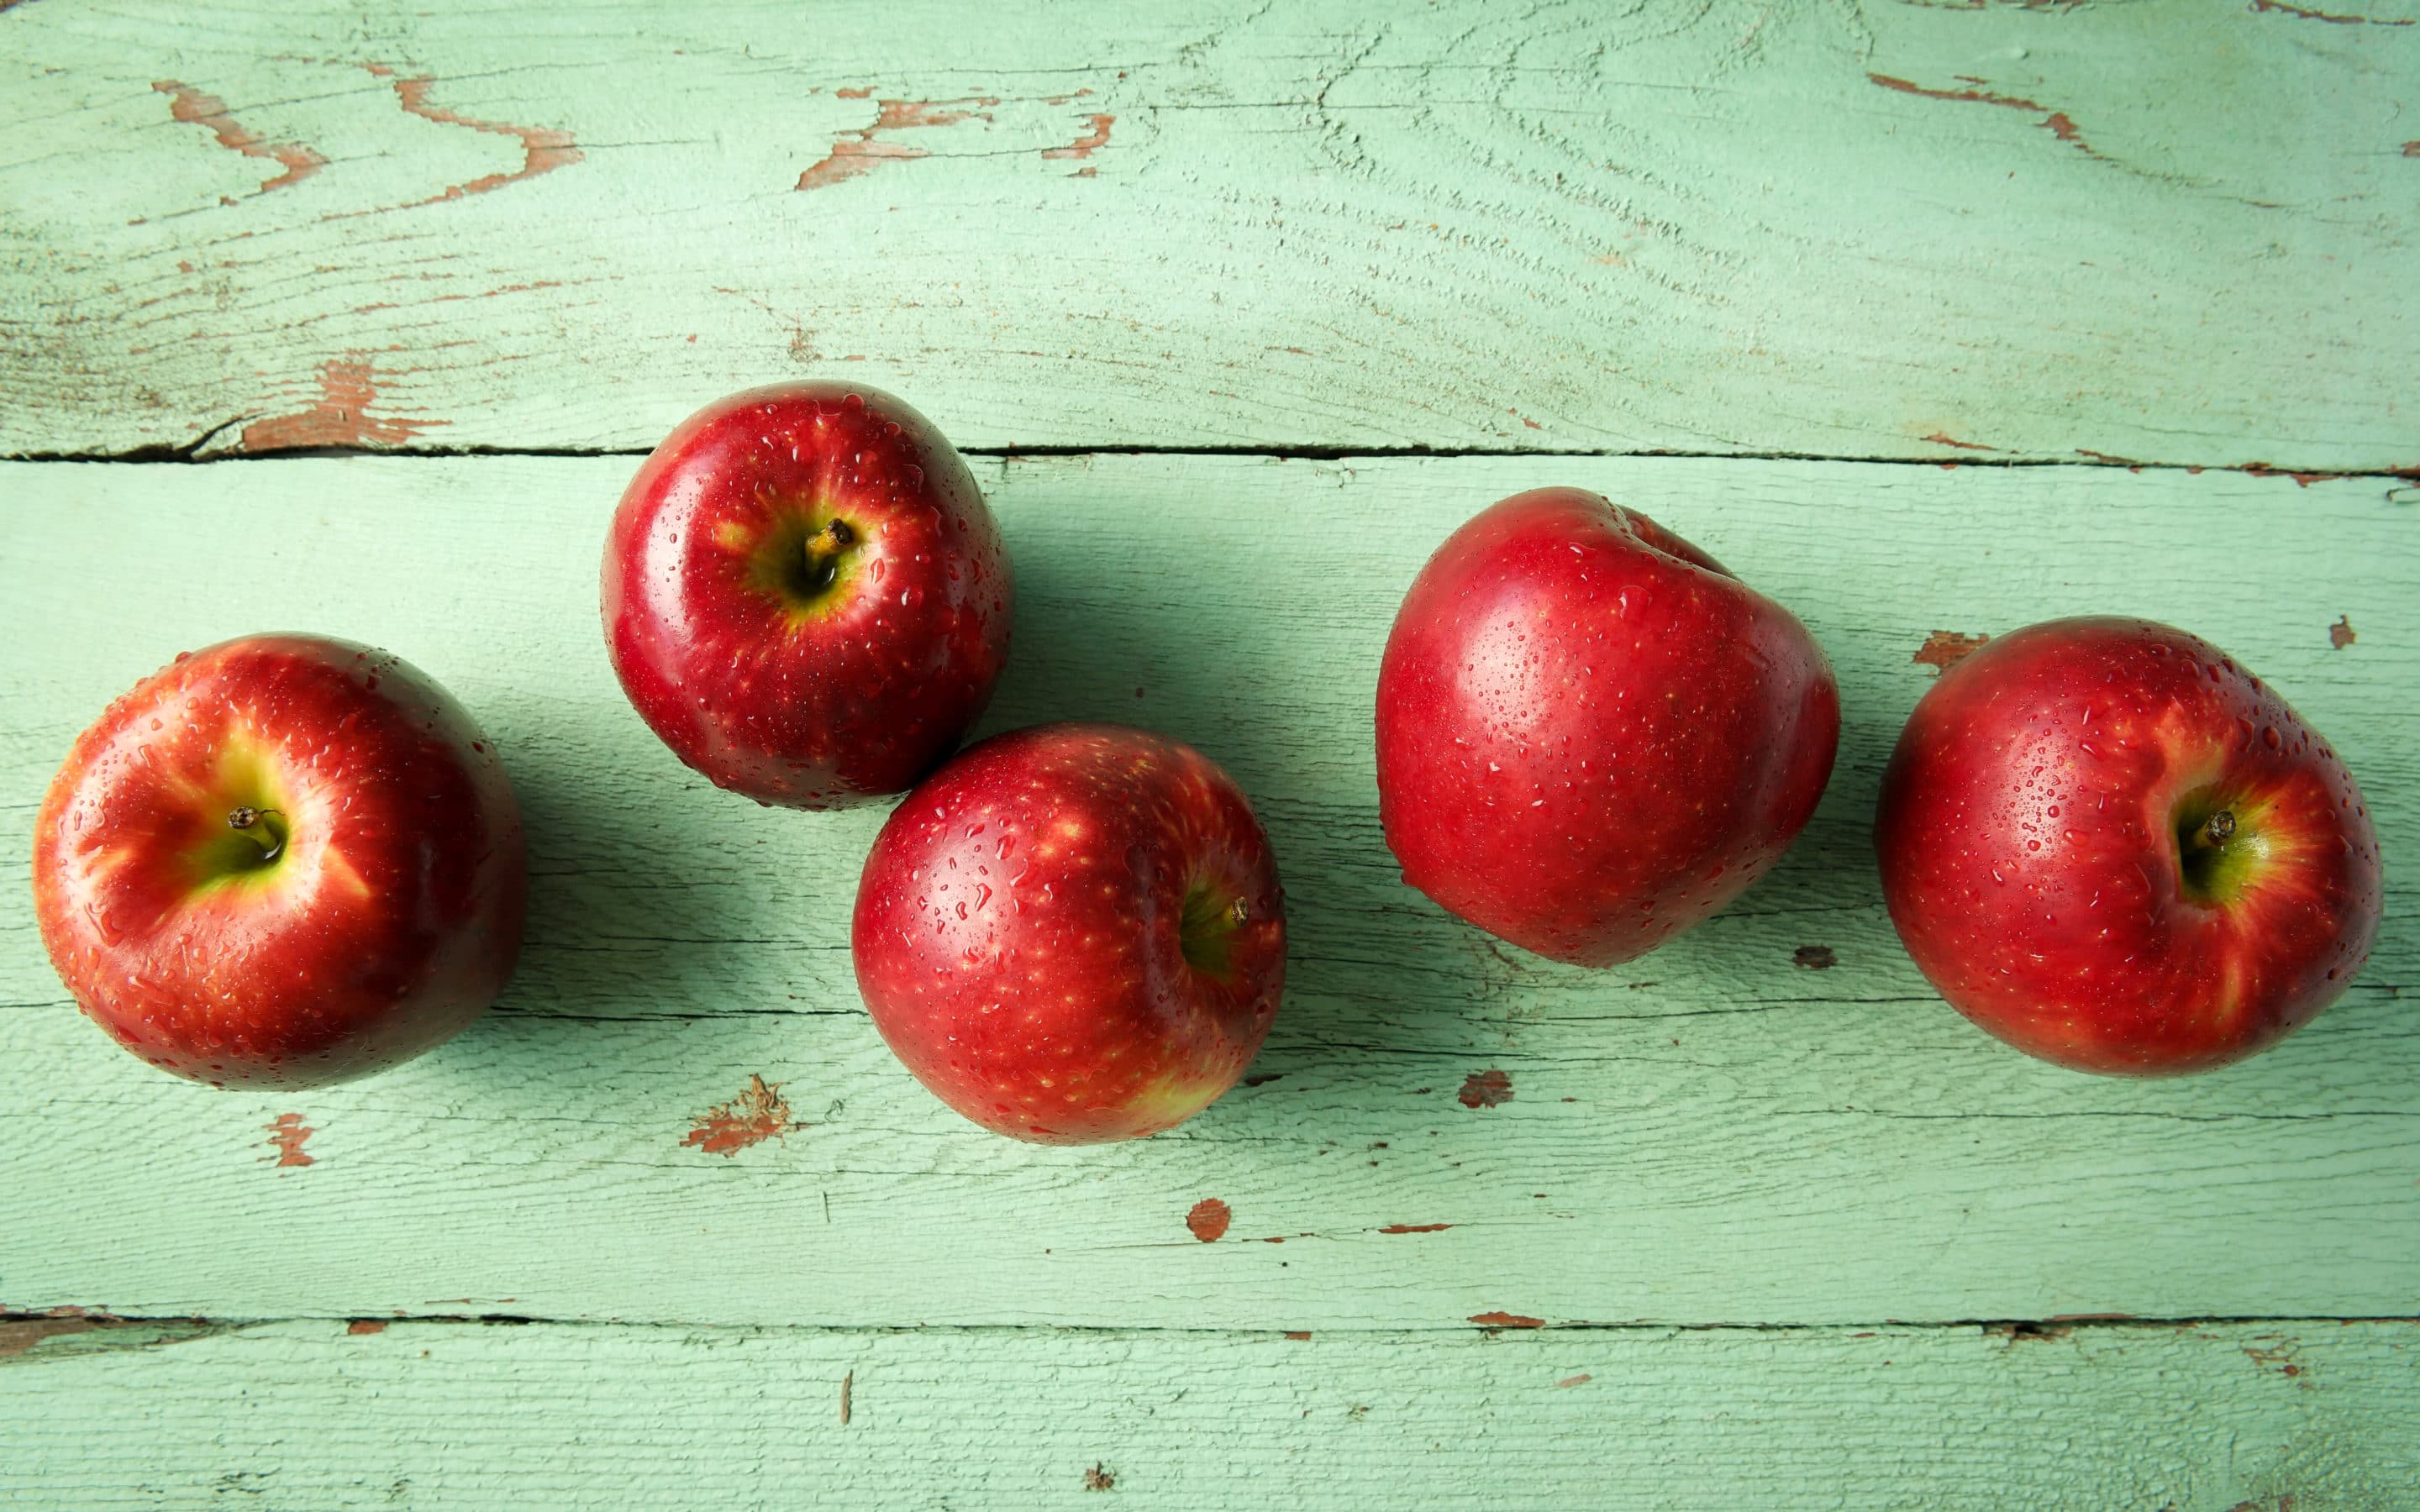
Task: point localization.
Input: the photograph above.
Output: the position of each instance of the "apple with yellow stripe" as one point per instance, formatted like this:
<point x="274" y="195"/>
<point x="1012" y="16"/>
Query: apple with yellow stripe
<point x="281" y="862"/>
<point x="806" y="596"/>
<point x="2109" y="845"/>
<point x="1073" y="934"/>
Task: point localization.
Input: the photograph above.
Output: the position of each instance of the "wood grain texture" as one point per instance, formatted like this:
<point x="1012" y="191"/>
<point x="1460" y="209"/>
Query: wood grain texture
<point x="1716" y="1133"/>
<point x="2246" y="1418"/>
<point x="2166" y="230"/>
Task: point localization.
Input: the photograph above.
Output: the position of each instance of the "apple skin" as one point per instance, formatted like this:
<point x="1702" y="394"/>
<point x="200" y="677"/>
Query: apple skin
<point x="2042" y="838"/>
<point x="1073" y="934"/>
<point x="390" y="917"/>
<point x="1591" y="736"/>
<point x="761" y="672"/>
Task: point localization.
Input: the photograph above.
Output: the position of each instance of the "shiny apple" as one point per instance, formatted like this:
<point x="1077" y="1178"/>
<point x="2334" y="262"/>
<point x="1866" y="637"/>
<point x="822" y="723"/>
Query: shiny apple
<point x="1073" y="934"/>
<point x="1591" y="736"/>
<point x="2106" y="844"/>
<point x="805" y="596"/>
<point x="281" y="862"/>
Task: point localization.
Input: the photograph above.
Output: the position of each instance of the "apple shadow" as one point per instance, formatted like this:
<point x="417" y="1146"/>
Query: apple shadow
<point x="653" y="895"/>
<point x="1269" y="668"/>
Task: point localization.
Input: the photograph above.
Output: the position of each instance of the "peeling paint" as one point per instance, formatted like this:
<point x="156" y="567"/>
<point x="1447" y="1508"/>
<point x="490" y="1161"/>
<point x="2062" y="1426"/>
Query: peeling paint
<point x="361" y="1326"/>
<point x="1485" y="1089"/>
<point x="756" y="1115"/>
<point x="2301" y="480"/>
<point x="1507" y="1320"/>
<point x="2055" y="121"/>
<point x="2280" y="7"/>
<point x="2126" y="462"/>
<point x="1084" y="146"/>
<point x="1814" y="957"/>
<point x="1099" y="1479"/>
<point x="348" y="388"/>
<point x="543" y="150"/>
<point x="192" y="107"/>
<point x="288" y="1132"/>
<point x="1208" y="1220"/>
<point x="1945" y="649"/>
<point x="1415" y="1228"/>
<point x="1944" y="439"/>
<point x="2340" y="634"/>
<point x="1581" y="1380"/>
<point x="860" y="152"/>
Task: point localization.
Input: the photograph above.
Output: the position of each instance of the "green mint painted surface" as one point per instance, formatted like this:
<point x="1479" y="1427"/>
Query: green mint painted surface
<point x="1964" y="1419"/>
<point x="2170" y="230"/>
<point x="1717" y="1133"/>
<point x="2093" y="234"/>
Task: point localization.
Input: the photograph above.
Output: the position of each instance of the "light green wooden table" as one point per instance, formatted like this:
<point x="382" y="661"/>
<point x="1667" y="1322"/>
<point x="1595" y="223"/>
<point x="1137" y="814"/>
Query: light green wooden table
<point x="1926" y="317"/>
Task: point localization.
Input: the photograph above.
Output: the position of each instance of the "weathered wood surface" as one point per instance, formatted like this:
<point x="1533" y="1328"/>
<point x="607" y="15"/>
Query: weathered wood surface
<point x="2170" y="230"/>
<point x="1719" y="1134"/>
<point x="2267" y="1417"/>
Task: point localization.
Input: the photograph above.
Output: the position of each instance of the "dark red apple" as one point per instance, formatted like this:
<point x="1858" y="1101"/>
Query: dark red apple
<point x="1073" y="934"/>
<point x="1591" y="735"/>
<point x="2109" y="845"/>
<point x="281" y="862"/>
<point x="805" y="596"/>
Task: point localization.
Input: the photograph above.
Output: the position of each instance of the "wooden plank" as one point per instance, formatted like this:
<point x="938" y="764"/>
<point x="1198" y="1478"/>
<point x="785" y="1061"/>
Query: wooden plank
<point x="2160" y="230"/>
<point x="2309" y="1417"/>
<point x="1718" y="1134"/>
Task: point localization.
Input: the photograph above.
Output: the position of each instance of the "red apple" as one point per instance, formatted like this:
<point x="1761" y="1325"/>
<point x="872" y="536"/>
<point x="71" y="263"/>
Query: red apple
<point x="1073" y="934"/>
<point x="281" y="862"/>
<point x="1591" y="735"/>
<point x="806" y="596"/>
<point x="2109" y="845"/>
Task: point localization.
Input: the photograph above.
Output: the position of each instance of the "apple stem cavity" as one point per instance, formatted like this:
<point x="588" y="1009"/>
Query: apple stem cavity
<point x="252" y="825"/>
<point x="823" y="551"/>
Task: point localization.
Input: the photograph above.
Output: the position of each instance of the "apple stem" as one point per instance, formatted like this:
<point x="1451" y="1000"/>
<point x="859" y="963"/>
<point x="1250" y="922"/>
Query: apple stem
<point x="1239" y="913"/>
<point x="2216" y="831"/>
<point x="822" y="549"/>
<point x="246" y="820"/>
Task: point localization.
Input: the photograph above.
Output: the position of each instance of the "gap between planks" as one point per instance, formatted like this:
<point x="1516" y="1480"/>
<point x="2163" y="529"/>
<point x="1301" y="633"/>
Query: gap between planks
<point x="190" y="454"/>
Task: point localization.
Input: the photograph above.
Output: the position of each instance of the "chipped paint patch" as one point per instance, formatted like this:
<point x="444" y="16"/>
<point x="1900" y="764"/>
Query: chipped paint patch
<point x="1298" y="1334"/>
<point x="1944" y="439"/>
<point x="1814" y="957"/>
<point x="2055" y="121"/>
<point x="1415" y="1228"/>
<point x="2340" y="634"/>
<point x="1485" y="1089"/>
<point x="195" y="108"/>
<point x="848" y="1385"/>
<point x="288" y="1132"/>
<point x="1099" y="1479"/>
<point x="1083" y="146"/>
<point x="860" y="152"/>
<point x="756" y="1115"/>
<point x="1581" y="1380"/>
<point x="22" y="1332"/>
<point x="2301" y="480"/>
<point x="1945" y="649"/>
<point x="347" y="389"/>
<point x="543" y="150"/>
<point x="1208" y="1220"/>
<point x="362" y="1326"/>
<point x="2280" y="7"/>
<point x="2110" y="459"/>
<point x="1501" y="1319"/>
